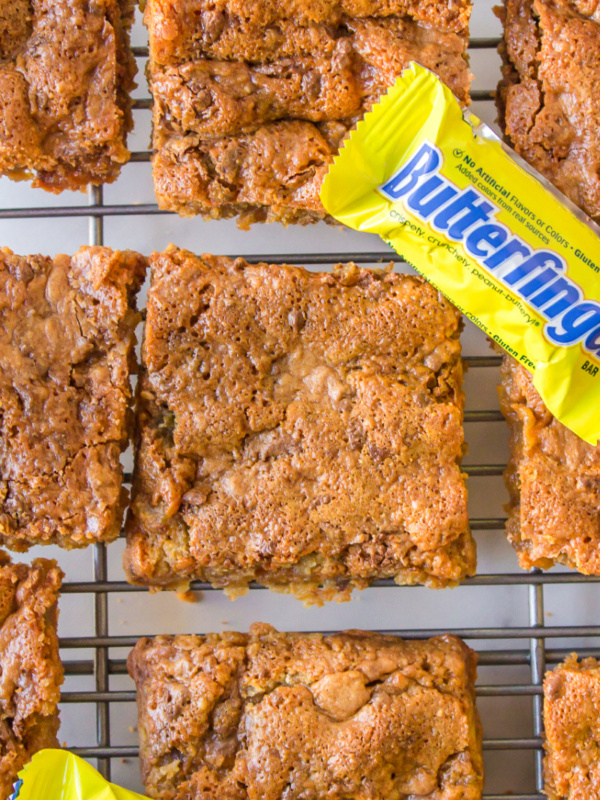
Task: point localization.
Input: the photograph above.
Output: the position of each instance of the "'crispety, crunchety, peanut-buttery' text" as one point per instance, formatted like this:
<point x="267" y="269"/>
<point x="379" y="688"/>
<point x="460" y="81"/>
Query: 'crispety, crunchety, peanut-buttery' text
<point x="506" y="248"/>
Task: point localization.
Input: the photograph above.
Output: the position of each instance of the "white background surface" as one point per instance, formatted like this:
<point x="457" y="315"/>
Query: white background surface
<point x="391" y="608"/>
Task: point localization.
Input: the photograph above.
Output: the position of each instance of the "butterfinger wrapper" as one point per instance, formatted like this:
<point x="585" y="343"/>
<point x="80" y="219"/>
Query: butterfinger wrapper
<point x="511" y="252"/>
<point x="60" y="775"/>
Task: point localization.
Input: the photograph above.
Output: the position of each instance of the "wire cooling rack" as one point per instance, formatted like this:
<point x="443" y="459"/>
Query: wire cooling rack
<point x="514" y="650"/>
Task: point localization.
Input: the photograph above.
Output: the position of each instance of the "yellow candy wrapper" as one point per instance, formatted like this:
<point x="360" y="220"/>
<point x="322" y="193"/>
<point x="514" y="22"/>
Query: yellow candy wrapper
<point x="60" y="775"/>
<point x="512" y="253"/>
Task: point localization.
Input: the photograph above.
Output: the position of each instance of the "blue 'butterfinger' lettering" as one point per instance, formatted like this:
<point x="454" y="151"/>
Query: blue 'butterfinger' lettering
<point x="466" y="217"/>
<point x="427" y="159"/>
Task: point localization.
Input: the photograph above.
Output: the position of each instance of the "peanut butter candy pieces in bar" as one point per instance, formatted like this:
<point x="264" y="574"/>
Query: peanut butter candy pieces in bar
<point x="299" y="429"/>
<point x="553" y="478"/>
<point x="252" y="100"/>
<point x="30" y="669"/>
<point x="571" y="702"/>
<point x="66" y="349"/>
<point x="548" y="99"/>
<point x="66" y="71"/>
<point x="272" y="715"/>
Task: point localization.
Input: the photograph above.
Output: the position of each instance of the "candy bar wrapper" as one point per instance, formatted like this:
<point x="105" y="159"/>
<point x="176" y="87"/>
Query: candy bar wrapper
<point x="60" y="775"/>
<point x="511" y="252"/>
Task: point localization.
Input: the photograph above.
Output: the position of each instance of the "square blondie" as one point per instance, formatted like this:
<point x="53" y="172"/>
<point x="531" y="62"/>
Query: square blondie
<point x="66" y="349"/>
<point x="276" y="715"/>
<point x="548" y="98"/>
<point x="571" y="721"/>
<point x="553" y="478"/>
<point x="66" y="71"/>
<point x="303" y="430"/>
<point x="30" y="669"/>
<point x="252" y="100"/>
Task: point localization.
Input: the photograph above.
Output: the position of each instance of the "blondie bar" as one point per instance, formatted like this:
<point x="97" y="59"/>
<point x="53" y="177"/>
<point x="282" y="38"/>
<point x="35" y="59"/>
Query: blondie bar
<point x="553" y="478"/>
<point x="66" y="71"/>
<point x="300" y="429"/>
<point x="571" y="702"/>
<point x="548" y="98"/>
<point x="30" y="669"/>
<point x="252" y="102"/>
<point x="275" y="715"/>
<point x="66" y="341"/>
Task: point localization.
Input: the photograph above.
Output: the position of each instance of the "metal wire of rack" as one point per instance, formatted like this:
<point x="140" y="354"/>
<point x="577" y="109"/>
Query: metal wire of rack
<point x="532" y="649"/>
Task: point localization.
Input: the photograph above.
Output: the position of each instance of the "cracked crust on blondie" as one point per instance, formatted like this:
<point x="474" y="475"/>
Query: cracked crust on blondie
<point x="299" y="429"/>
<point x="30" y="669"/>
<point x="548" y="99"/>
<point x="276" y="715"/>
<point x="572" y="730"/>
<point x="66" y="349"/>
<point x="234" y="30"/>
<point x="66" y="72"/>
<point x="553" y="478"/>
<point x="251" y="102"/>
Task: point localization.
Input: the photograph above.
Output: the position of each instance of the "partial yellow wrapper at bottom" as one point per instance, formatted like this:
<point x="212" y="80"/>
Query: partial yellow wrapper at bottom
<point x="512" y="253"/>
<point x="60" y="775"/>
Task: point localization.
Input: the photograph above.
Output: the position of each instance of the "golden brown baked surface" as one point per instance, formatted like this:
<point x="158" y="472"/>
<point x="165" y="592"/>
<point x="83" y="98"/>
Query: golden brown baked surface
<point x="252" y="100"/>
<point x="571" y="702"/>
<point x="275" y="715"/>
<point x="234" y="30"/>
<point x="553" y="479"/>
<point x="299" y="429"/>
<point x="66" y="341"/>
<point x="66" y="72"/>
<point x="548" y="98"/>
<point x="30" y="669"/>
